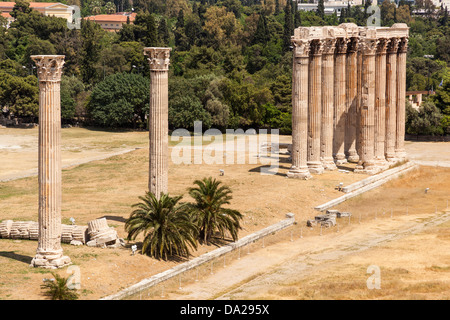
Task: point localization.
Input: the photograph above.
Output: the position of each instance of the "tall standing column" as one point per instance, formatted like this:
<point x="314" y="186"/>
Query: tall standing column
<point x="340" y="101"/>
<point x="299" y="168"/>
<point x="315" y="107"/>
<point x="391" y="99"/>
<point x="351" y="93"/>
<point x="326" y="151"/>
<point x="49" y="253"/>
<point x="380" y="102"/>
<point x="400" y="153"/>
<point x="159" y="60"/>
<point x="366" y="163"/>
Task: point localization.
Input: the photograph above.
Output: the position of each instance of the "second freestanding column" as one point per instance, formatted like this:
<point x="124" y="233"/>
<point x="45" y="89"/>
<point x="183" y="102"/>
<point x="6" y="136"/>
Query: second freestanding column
<point x="315" y="107"/>
<point x="49" y="253"/>
<point x="401" y="97"/>
<point x="366" y="162"/>
<point x="159" y="60"/>
<point x="299" y="168"/>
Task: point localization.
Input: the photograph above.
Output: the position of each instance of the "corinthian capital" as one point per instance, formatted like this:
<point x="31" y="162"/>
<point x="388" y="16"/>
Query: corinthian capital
<point x="49" y="67"/>
<point x="403" y="45"/>
<point x="317" y="47"/>
<point x="393" y="45"/>
<point x="369" y="46"/>
<point x="301" y="47"/>
<point x="329" y="46"/>
<point x="158" y="58"/>
<point x="341" y="45"/>
<point x="382" y="44"/>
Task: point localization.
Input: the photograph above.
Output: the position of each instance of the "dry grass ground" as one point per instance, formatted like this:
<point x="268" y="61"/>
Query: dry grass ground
<point x="108" y="188"/>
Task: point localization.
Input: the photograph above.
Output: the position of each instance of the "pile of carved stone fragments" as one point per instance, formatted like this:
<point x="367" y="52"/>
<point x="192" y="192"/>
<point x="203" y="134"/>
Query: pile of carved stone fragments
<point x="328" y="219"/>
<point x="96" y="234"/>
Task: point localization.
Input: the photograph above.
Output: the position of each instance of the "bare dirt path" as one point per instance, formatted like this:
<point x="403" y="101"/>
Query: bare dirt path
<point x="254" y="275"/>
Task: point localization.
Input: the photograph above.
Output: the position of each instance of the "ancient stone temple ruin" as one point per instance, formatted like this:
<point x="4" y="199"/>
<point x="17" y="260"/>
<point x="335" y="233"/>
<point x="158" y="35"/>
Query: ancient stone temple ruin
<point x="348" y="98"/>
<point x="49" y="253"/>
<point x="159" y="60"/>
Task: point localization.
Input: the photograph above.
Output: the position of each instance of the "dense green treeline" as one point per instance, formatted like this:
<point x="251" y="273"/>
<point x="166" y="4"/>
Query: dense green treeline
<point x="230" y="63"/>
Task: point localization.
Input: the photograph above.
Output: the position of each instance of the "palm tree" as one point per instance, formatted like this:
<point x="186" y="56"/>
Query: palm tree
<point x="208" y="211"/>
<point x="167" y="227"/>
<point x="57" y="288"/>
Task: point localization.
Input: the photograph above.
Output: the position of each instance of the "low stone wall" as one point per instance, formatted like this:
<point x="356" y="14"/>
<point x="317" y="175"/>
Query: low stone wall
<point x="376" y="177"/>
<point x="368" y="186"/>
<point x="412" y="137"/>
<point x="166" y="275"/>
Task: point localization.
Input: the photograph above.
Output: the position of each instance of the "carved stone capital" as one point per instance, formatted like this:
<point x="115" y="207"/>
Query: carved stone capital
<point x="329" y="45"/>
<point x="301" y="48"/>
<point x="49" y="67"/>
<point x="393" y="45"/>
<point x="317" y="47"/>
<point x="369" y="46"/>
<point x="352" y="45"/>
<point x="382" y="44"/>
<point x="341" y="45"/>
<point x="158" y="58"/>
<point x="403" y="45"/>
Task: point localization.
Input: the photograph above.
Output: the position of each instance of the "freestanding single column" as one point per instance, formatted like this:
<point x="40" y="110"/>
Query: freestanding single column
<point x="159" y="60"/>
<point x="326" y="139"/>
<point x="380" y="102"/>
<point x="340" y="102"/>
<point x="315" y="107"/>
<point x="366" y="163"/>
<point x="400" y="153"/>
<point x="352" y="101"/>
<point x="391" y="99"/>
<point x="49" y="253"/>
<point x="299" y="168"/>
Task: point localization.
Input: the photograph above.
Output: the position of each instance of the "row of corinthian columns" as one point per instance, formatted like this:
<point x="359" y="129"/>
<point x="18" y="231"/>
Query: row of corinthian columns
<point x="348" y="98"/>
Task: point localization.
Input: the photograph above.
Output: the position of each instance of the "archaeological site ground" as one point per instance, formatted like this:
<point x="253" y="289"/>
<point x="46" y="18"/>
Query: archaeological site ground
<point x="410" y="248"/>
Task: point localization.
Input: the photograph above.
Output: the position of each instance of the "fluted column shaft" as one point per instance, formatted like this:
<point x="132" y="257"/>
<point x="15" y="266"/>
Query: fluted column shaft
<point x="351" y="98"/>
<point x="326" y="139"/>
<point x="391" y="99"/>
<point x="401" y="97"/>
<point x="340" y="101"/>
<point x="299" y="168"/>
<point x="158" y="120"/>
<point x="380" y="102"/>
<point x="315" y="107"/>
<point x="367" y="112"/>
<point x="49" y="253"/>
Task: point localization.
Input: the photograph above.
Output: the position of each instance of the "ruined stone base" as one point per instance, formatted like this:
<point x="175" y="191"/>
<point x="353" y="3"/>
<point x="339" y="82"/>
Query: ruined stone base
<point x="42" y="261"/>
<point x="300" y="173"/>
<point x="400" y="155"/>
<point x="315" y="167"/>
<point x="368" y="168"/>
<point x="353" y="158"/>
<point x="329" y="165"/>
<point x="340" y="159"/>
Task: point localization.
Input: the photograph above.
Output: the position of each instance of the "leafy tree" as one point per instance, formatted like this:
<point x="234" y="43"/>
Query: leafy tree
<point x="71" y="89"/>
<point x="426" y="121"/>
<point x="288" y="28"/>
<point x="167" y="227"/>
<point x="120" y="100"/>
<point x="321" y="9"/>
<point x="163" y="32"/>
<point x="209" y="211"/>
<point x="20" y="95"/>
<point x="91" y="33"/>
<point x="261" y="34"/>
<point x="57" y="288"/>
<point x="185" y="110"/>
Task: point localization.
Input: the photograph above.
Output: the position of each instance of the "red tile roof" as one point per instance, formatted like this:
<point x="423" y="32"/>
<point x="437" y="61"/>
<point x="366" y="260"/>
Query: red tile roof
<point x="112" y="17"/>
